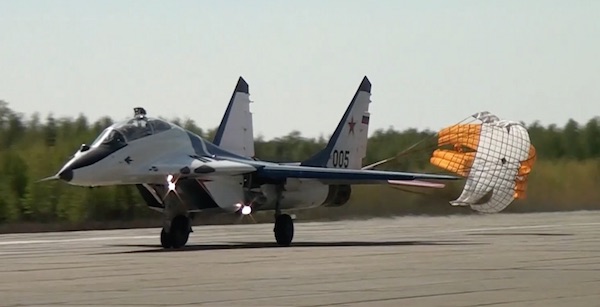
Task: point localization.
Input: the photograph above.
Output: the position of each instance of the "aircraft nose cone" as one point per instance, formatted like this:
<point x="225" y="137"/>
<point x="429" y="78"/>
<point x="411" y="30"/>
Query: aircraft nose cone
<point x="66" y="174"/>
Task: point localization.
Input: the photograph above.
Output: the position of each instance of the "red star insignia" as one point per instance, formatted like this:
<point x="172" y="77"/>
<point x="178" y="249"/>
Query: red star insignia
<point x="351" y="124"/>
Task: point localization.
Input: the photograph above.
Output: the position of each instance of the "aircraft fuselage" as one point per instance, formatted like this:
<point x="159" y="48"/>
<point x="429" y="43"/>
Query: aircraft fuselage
<point x="111" y="160"/>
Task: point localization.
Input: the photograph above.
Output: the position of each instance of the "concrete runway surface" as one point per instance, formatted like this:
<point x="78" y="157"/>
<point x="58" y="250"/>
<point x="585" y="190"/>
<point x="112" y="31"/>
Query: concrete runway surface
<point x="494" y="260"/>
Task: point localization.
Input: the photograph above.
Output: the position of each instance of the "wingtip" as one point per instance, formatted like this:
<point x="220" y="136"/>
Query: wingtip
<point x="242" y="86"/>
<point x="365" y="85"/>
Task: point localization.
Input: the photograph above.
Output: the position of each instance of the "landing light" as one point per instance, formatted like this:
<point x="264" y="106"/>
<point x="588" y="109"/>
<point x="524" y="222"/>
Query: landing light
<point x="170" y="184"/>
<point x="246" y="210"/>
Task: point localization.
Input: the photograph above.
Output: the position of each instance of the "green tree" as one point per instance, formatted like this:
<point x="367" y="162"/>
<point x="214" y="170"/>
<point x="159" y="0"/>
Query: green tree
<point x="591" y="138"/>
<point x="566" y="174"/>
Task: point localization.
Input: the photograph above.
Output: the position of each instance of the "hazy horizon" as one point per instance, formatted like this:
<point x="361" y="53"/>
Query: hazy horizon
<point x="432" y="63"/>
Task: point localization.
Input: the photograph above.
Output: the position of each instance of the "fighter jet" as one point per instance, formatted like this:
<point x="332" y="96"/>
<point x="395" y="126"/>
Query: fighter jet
<point x="178" y="172"/>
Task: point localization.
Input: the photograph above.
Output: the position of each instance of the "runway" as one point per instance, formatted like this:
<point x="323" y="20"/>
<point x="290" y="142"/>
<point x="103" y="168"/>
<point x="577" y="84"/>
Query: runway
<point x="494" y="260"/>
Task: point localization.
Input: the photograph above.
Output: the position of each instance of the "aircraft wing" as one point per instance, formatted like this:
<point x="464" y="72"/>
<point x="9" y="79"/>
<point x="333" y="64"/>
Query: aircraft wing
<point x="190" y="166"/>
<point x="347" y="176"/>
<point x="204" y="167"/>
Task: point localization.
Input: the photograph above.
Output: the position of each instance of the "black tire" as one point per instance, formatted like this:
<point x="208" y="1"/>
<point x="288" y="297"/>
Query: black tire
<point x="165" y="239"/>
<point x="284" y="230"/>
<point x="180" y="231"/>
<point x="178" y="235"/>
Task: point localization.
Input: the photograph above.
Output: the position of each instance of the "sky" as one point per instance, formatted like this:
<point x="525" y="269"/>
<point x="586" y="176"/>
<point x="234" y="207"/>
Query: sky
<point x="431" y="63"/>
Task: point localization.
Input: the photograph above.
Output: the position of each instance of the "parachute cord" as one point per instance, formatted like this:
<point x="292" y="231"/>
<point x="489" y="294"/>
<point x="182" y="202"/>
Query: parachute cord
<point x="405" y="151"/>
<point x="370" y="166"/>
<point x="402" y="153"/>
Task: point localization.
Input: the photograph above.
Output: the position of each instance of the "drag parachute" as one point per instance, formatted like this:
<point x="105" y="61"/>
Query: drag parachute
<point x="495" y="156"/>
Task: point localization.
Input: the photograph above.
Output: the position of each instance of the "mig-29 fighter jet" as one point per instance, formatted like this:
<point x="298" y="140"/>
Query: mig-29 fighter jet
<point x="178" y="172"/>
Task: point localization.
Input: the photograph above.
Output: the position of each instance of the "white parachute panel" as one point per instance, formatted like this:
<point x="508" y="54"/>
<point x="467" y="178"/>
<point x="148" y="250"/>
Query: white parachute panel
<point x="496" y="162"/>
<point x="503" y="145"/>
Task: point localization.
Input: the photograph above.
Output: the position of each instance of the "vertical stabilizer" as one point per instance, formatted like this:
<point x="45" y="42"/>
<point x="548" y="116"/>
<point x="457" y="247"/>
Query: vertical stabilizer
<point x="235" y="133"/>
<point x="348" y="144"/>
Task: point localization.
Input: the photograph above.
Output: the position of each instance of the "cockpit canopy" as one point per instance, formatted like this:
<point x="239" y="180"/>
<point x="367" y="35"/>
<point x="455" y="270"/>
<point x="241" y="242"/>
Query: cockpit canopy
<point x="135" y="128"/>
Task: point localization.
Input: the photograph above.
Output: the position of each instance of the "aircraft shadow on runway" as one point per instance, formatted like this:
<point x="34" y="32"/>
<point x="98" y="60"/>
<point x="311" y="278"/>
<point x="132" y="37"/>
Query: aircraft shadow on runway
<point x="539" y="234"/>
<point x="257" y="245"/>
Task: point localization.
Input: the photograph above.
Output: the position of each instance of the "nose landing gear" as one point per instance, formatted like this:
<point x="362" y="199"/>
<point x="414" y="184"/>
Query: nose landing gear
<point x="177" y="233"/>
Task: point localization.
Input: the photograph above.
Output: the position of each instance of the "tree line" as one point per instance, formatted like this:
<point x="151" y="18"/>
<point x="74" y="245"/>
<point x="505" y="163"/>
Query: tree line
<point x="32" y="148"/>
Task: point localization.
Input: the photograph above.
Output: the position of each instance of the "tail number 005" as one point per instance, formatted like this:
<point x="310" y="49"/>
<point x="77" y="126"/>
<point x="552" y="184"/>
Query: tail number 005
<point x="341" y="158"/>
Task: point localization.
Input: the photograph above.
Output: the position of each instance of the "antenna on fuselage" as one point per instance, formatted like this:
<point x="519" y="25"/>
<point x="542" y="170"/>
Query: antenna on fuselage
<point x="139" y="112"/>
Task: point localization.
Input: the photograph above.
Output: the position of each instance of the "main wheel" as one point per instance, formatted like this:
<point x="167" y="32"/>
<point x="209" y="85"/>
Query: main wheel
<point x="284" y="229"/>
<point x="178" y="235"/>
<point x="165" y="239"/>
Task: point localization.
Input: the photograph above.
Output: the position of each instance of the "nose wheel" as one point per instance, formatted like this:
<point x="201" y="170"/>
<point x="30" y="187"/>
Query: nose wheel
<point x="178" y="233"/>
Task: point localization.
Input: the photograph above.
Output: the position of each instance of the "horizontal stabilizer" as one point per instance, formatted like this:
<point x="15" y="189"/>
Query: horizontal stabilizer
<point x="344" y="176"/>
<point x="417" y="183"/>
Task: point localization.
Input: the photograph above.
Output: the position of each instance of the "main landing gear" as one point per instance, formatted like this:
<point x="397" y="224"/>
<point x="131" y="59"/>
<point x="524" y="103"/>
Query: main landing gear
<point x="284" y="224"/>
<point x="177" y="233"/>
<point x="284" y="229"/>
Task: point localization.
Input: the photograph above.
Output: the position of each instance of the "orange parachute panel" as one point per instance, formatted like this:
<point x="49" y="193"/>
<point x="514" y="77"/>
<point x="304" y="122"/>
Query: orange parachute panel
<point x="525" y="168"/>
<point x="521" y="190"/>
<point x="456" y="162"/>
<point x="461" y="134"/>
